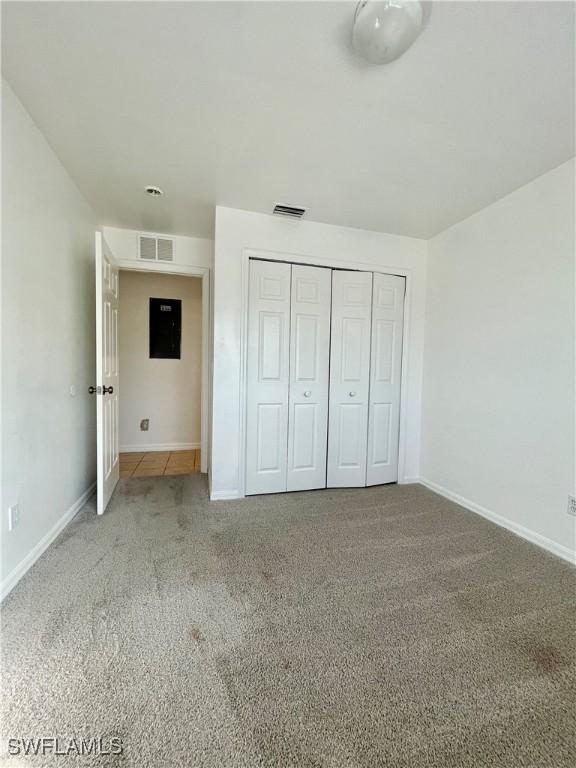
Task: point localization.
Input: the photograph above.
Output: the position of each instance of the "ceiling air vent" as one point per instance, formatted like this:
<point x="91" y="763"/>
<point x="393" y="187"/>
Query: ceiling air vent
<point x="152" y="248"/>
<point x="295" y="212"/>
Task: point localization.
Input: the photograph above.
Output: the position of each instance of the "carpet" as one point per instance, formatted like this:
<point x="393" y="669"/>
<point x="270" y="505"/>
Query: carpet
<point x="360" y="628"/>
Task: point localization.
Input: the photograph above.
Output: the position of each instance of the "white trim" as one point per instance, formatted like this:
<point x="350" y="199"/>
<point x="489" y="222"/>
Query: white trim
<point x="205" y="373"/>
<point x="306" y="259"/>
<point x="225" y="495"/>
<point x="28" y="561"/>
<point x="137" y="265"/>
<point x="245" y="267"/>
<point x="535" y="538"/>
<point x="150" y="448"/>
<point x="403" y="415"/>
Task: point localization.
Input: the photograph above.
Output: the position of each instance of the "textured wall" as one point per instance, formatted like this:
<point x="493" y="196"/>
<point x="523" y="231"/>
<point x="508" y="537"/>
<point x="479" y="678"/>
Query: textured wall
<point x="167" y="392"/>
<point x="49" y="441"/>
<point x="498" y="424"/>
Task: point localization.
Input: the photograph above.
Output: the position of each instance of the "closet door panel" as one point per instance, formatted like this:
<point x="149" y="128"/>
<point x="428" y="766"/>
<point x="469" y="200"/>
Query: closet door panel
<point x="349" y="378"/>
<point x="309" y="370"/>
<point x="267" y="377"/>
<point x="385" y="375"/>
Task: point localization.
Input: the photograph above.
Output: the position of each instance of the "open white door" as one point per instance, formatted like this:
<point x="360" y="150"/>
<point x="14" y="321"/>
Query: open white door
<point x="106" y="391"/>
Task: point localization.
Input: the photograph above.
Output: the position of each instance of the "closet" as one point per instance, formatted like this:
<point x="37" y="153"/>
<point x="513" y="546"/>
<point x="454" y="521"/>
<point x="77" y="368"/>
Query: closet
<point x="324" y="357"/>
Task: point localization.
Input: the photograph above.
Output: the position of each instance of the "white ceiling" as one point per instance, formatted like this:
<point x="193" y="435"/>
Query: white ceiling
<point x="248" y="104"/>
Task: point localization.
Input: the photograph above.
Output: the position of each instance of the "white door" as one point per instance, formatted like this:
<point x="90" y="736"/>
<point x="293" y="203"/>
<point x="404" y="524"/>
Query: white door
<point x="309" y="372"/>
<point x="267" y="377"/>
<point x="106" y="391"/>
<point x="349" y="378"/>
<point x="385" y="374"/>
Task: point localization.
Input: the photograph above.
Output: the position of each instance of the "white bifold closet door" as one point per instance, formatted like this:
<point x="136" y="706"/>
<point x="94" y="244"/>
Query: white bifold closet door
<point x="287" y="377"/>
<point x="349" y="378"/>
<point x="267" y="377"/>
<point x="309" y="373"/>
<point x="323" y="377"/>
<point x="385" y="375"/>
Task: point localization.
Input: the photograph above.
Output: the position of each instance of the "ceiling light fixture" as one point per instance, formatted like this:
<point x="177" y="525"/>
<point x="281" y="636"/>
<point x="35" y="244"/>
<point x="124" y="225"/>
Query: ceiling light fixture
<point x="153" y="191"/>
<point x="385" y="29"/>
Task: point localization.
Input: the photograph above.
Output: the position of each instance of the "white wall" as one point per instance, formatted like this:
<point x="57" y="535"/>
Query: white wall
<point x="48" y="434"/>
<point x="168" y="392"/>
<point x="239" y="232"/>
<point x="498" y="415"/>
<point x="188" y="251"/>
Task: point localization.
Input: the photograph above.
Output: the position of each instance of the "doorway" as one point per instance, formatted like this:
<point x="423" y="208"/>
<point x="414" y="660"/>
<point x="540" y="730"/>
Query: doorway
<point x="160" y="347"/>
<point x="160" y="374"/>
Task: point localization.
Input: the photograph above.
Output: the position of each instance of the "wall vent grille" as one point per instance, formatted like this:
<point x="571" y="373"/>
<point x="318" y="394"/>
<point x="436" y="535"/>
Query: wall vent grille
<point x="293" y="211"/>
<point x="165" y="249"/>
<point x="154" y="248"/>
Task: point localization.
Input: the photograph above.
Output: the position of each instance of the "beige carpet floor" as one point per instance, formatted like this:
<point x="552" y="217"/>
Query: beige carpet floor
<point x="357" y="628"/>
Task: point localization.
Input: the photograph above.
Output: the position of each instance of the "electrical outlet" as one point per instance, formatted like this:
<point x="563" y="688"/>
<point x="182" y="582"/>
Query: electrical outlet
<point x="572" y="505"/>
<point x="13" y="516"/>
<point x="144" y="425"/>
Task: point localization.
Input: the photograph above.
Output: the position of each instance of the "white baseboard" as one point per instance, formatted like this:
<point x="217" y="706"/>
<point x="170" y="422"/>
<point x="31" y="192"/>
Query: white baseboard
<point x="408" y="480"/>
<point x="225" y="495"/>
<point x="526" y="533"/>
<point x="27" y="562"/>
<point x="159" y="447"/>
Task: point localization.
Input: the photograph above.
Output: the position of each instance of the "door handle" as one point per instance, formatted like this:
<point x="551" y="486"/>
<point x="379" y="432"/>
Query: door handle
<point x="352" y="394"/>
<point x="107" y="390"/>
<point x="94" y="390"/>
<point x="307" y="393"/>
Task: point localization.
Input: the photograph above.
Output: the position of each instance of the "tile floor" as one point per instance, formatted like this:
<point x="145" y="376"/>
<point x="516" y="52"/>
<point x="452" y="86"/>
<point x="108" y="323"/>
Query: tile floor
<point x="159" y="463"/>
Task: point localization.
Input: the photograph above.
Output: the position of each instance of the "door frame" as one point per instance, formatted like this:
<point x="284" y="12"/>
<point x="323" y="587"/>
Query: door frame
<point x="203" y="273"/>
<point x="317" y="261"/>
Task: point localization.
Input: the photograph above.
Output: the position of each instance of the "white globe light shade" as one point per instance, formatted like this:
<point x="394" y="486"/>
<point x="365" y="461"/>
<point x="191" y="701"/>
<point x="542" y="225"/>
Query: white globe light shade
<point x="385" y="29"/>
